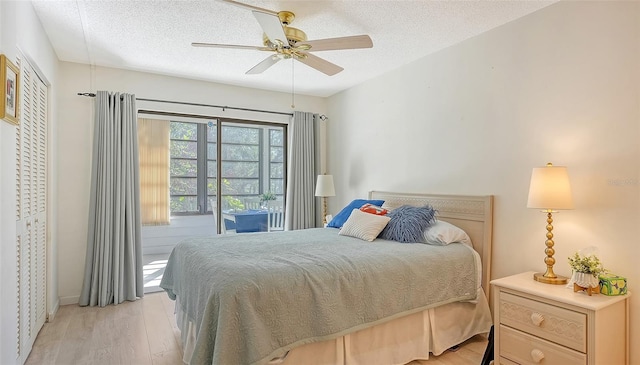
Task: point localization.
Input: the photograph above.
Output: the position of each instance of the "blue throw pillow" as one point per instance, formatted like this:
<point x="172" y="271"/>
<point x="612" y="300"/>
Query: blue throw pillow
<point x="408" y="223"/>
<point x="339" y="219"/>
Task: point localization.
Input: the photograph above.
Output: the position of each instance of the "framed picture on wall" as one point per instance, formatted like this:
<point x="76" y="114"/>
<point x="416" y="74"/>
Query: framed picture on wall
<point x="9" y="81"/>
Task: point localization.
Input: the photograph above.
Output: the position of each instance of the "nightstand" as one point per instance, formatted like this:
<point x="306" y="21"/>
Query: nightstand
<point x="537" y="323"/>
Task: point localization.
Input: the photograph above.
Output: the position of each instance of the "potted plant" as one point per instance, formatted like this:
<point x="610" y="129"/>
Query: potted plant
<point x="267" y="196"/>
<point x="586" y="270"/>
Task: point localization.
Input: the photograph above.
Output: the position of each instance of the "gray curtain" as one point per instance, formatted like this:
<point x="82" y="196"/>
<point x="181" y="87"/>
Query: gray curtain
<point x="301" y="175"/>
<point x="113" y="266"/>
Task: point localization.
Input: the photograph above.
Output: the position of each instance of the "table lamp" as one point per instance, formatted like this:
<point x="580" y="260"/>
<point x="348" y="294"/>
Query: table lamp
<point x="550" y="190"/>
<point x="324" y="188"/>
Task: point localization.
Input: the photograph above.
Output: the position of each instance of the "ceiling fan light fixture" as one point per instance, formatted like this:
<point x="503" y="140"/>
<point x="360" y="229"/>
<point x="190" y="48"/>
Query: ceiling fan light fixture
<point x="291" y="43"/>
<point x="274" y="45"/>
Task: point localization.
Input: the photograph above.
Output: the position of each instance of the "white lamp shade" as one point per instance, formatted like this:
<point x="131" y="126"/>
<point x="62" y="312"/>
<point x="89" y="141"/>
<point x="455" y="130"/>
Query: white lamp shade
<point x="550" y="188"/>
<point x="324" y="186"/>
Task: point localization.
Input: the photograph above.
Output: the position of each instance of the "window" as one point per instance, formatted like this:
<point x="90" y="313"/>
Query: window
<point x="252" y="163"/>
<point x="276" y="162"/>
<point x="241" y="157"/>
<point x="183" y="167"/>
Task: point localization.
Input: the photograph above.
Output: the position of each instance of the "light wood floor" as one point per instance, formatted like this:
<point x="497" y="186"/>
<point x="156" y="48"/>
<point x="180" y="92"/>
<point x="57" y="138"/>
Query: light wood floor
<point x="144" y="332"/>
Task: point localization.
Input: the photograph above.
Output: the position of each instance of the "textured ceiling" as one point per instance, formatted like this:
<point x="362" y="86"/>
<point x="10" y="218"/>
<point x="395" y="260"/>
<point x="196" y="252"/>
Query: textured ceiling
<point x="156" y="36"/>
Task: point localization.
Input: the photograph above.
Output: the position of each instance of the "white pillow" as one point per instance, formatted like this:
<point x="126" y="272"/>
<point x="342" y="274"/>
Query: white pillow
<point x="443" y="233"/>
<point x="365" y="226"/>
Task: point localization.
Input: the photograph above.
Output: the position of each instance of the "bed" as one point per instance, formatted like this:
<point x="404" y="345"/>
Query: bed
<point x="325" y="298"/>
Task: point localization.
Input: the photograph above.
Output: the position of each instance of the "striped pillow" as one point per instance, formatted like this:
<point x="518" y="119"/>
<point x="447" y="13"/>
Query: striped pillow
<point x="363" y="225"/>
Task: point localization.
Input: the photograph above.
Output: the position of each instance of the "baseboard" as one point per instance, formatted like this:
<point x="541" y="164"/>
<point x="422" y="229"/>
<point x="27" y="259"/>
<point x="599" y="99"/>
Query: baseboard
<point x="52" y="313"/>
<point x="70" y="300"/>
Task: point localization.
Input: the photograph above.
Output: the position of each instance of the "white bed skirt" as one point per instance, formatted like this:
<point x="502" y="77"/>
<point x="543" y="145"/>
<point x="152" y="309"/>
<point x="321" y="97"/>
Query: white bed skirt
<point x="412" y="337"/>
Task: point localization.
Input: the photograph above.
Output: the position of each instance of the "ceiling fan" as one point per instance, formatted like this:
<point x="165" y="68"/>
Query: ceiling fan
<point x="287" y="42"/>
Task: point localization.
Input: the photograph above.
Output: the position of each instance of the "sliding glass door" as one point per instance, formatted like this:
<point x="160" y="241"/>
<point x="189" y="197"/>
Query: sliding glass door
<point x="228" y="168"/>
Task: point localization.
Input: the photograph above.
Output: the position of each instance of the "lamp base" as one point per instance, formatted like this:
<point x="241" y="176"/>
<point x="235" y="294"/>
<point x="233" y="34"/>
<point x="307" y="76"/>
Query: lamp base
<point x="558" y="280"/>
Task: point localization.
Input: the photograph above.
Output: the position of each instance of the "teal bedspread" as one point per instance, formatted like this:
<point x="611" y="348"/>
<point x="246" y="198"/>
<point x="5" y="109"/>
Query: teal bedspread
<point x="254" y="296"/>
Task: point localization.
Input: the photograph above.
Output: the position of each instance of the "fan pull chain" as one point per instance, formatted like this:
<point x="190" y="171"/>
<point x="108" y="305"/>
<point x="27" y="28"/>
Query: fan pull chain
<point x="293" y="105"/>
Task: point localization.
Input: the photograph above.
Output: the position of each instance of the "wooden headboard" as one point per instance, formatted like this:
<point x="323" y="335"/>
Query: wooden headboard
<point x="472" y="213"/>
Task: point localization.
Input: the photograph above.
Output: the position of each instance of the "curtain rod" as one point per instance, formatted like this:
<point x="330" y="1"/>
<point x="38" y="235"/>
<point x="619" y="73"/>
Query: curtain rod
<point x="322" y="117"/>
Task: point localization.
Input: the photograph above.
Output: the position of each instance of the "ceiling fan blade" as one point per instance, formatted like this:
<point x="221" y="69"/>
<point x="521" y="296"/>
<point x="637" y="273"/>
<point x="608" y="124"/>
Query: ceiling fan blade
<point x="264" y="65"/>
<point x="320" y="64"/>
<point x="272" y="27"/>
<point x="234" y="46"/>
<point x="251" y="7"/>
<point x="330" y="44"/>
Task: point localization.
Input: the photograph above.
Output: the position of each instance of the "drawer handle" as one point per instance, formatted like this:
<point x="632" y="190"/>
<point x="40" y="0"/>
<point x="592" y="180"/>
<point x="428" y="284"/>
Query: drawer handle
<point x="537" y="318"/>
<point x="537" y="355"/>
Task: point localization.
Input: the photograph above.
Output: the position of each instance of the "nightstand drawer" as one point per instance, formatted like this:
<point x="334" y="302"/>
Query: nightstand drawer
<point x="556" y="324"/>
<point x="524" y="349"/>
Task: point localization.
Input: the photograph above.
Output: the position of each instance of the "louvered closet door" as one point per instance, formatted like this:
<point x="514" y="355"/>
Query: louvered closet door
<point x="32" y="209"/>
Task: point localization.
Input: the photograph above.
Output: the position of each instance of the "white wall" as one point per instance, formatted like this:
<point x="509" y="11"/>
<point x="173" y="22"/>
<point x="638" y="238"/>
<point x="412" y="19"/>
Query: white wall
<point x="8" y="290"/>
<point x="560" y="85"/>
<point x="75" y="140"/>
<point x="21" y="35"/>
